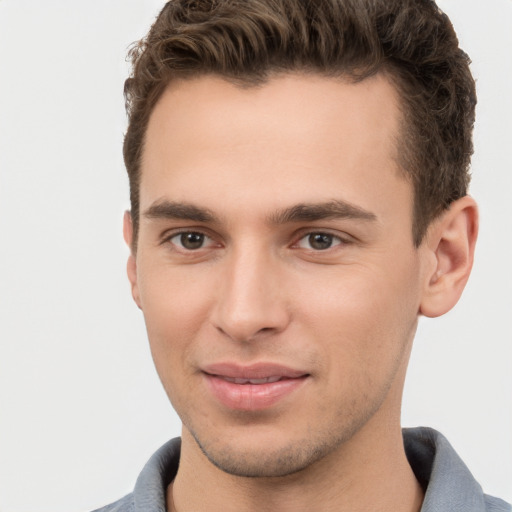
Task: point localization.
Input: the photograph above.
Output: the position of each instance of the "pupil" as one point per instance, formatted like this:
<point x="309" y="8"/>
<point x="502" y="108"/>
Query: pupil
<point x="192" y="240"/>
<point x="320" y="241"/>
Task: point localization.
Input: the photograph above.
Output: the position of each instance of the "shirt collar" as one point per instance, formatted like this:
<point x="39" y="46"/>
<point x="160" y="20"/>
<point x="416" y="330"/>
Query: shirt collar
<point x="448" y="483"/>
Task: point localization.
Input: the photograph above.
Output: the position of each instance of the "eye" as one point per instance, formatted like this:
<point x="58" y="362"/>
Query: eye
<point x="190" y="240"/>
<point x="319" y="241"/>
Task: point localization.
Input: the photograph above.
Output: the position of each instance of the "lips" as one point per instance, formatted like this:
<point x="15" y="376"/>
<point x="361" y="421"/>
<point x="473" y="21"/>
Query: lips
<point x="266" y="380"/>
<point x="254" y="387"/>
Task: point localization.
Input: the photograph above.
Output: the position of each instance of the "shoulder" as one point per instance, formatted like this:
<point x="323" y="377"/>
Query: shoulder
<point x="493" y="504"/>
<point x="149" y="492"/>
<point x="125" y="504"/>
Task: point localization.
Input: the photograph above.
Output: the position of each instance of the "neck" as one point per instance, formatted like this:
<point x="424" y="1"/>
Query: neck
<point x="369" y="472"/>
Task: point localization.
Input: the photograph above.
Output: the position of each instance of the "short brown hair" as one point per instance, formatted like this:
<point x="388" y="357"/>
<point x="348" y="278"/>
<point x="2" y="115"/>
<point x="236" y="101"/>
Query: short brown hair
<point x="247" y="41"/>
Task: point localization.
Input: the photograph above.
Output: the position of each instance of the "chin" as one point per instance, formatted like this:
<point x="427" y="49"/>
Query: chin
<point x="264" y="461"/>
<point x="270" y="453"/>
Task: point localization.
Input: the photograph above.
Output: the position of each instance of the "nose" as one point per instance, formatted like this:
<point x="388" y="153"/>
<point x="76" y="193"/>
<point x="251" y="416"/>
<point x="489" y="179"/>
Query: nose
<point x="251" y="299"/>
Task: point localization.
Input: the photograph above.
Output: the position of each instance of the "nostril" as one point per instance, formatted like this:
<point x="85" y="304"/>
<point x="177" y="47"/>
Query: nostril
<point x="246" y="338"/>
<point x="245" y="316"/>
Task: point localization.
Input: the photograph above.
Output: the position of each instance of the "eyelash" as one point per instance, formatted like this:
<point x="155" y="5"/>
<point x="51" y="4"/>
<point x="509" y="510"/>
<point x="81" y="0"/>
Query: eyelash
<point x="168" y="239"/>
<point x="335" y="240"/>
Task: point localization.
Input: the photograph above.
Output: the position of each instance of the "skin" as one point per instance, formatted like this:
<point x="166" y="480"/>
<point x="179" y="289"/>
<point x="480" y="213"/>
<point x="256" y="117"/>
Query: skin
<point x="232" y="165"/>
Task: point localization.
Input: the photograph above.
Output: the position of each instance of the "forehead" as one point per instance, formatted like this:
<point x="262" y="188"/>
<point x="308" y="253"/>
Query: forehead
<point x="296" y="138"/>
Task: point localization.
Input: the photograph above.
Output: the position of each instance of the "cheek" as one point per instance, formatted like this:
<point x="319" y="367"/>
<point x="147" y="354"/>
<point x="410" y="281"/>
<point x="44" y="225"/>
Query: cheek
<point x="175" y="306"/>
<point x="362" y="317"/>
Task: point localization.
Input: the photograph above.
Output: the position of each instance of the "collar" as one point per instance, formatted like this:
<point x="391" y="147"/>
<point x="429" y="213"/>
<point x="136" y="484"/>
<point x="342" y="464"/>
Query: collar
<point x="448" y="483"/>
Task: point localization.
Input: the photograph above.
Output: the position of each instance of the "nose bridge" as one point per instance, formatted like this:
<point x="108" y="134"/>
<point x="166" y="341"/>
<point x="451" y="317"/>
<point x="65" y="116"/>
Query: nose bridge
<point x="250" y="300"/>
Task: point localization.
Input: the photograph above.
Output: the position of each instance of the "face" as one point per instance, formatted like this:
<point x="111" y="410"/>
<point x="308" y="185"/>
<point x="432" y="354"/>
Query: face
<point x="275" y="265"/>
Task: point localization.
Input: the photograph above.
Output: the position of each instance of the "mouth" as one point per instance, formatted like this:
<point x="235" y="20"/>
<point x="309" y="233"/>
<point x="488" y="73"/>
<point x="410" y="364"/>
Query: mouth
<point x="265" y="380"/>
<point x="252" y="388"/>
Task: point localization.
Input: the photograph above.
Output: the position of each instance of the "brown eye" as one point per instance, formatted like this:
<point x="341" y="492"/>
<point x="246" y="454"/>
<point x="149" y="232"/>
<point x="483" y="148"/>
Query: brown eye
<point x="189" y="240"/>
<point x="319" y="241"/>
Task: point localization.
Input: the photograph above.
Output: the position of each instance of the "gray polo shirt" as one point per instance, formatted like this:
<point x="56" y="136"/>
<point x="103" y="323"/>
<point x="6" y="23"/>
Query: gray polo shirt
<point x="449" y="485"/>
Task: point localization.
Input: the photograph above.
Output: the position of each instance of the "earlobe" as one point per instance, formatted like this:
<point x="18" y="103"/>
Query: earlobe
<point x="131" y="266"/>
<point x="451" y="240"/>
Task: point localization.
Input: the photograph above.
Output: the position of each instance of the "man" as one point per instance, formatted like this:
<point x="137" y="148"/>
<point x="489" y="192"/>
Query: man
<point x="298" y="176"/>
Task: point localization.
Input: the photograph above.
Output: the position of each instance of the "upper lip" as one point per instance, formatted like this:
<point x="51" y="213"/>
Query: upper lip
<point x="253" y="371"/>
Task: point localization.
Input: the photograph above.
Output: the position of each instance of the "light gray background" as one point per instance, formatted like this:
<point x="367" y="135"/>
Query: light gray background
<point x="81" y="408"/>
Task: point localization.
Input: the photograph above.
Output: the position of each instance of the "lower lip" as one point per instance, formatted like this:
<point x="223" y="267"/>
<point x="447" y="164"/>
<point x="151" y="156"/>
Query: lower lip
<point x="252" y="397"/>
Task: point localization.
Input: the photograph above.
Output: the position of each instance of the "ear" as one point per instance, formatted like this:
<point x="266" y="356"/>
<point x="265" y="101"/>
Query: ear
<point x="451" y="242"/>
<point x="131" y="266"/>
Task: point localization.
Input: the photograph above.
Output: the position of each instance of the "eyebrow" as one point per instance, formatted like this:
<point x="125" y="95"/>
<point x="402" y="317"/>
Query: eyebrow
<point x="303" y="212"/>
<point x="308" y="212"/>
<point x="178" y="211"/>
